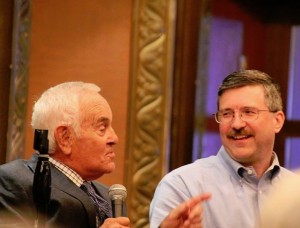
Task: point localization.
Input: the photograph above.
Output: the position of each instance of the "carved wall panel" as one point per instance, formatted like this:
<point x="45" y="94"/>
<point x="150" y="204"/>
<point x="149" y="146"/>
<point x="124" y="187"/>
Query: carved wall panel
<point x="150" y="102"/>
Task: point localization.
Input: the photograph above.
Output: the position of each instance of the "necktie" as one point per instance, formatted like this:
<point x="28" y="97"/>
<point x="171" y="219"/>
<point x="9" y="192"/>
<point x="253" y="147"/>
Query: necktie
<point x="103" y="209"/>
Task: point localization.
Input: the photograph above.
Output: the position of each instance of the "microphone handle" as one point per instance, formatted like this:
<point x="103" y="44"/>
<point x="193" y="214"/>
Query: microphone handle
<point x="42" y="188"/>
<point x="117" y="208"/>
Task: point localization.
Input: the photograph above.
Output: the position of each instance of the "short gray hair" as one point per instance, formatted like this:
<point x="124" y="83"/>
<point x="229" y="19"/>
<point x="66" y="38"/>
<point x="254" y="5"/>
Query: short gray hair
<point x="254" y="77"/>
<point x="59" y="106"/>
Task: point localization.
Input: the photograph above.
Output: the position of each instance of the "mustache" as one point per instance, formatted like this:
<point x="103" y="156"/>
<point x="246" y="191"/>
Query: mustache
<point x="239" y="133"/>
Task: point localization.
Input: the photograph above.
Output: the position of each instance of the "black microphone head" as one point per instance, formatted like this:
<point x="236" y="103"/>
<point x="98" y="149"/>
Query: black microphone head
<point x="41" y="142"/>
<point x="117" y="191"/>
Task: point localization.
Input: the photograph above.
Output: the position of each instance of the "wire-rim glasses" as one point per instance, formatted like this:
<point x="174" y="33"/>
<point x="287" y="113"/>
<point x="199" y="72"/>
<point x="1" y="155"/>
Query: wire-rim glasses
<point x="246" y="114"/>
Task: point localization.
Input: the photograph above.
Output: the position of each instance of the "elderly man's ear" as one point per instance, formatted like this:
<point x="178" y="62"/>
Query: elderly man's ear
<point x="64" y="136"/>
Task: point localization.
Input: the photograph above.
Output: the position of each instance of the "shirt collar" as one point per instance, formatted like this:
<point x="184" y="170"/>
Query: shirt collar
<point x="70" y="173"/>
<point x="237" y="169"/>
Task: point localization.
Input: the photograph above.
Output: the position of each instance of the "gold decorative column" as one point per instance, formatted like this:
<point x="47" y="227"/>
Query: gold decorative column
<point x="150" y="102"/>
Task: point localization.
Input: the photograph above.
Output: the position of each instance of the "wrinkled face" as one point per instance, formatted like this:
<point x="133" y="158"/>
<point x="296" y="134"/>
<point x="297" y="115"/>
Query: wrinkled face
<point x="250" y="143"/>
<point x="93" y="148"/>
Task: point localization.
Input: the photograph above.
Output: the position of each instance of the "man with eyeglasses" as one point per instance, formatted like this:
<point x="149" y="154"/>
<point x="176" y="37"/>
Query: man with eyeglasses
<point x="245" y="168"/>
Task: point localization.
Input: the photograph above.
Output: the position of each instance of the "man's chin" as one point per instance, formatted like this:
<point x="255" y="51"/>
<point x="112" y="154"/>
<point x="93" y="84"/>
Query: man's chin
<point x="111" y="168"/>
<point x="241" y="155"/>
<point x="104" y="170"/>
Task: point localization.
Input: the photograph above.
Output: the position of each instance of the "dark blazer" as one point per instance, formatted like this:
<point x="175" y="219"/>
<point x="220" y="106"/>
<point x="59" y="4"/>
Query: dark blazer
<point x="69" y="206"/>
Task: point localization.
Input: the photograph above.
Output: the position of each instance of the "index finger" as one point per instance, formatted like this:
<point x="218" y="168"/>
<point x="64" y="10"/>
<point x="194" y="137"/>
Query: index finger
<point x="184" y="208"/>
<point x="198" y="199"/>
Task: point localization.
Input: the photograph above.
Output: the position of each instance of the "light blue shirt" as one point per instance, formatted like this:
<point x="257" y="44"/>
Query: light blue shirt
<point x="237" y="194"/>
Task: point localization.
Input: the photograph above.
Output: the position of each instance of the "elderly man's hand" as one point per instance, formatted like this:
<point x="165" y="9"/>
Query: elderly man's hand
<point x="119" y="222"/>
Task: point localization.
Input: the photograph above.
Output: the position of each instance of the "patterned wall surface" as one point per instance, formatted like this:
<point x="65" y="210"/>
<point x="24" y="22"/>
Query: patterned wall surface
<point x="150" y="102"/>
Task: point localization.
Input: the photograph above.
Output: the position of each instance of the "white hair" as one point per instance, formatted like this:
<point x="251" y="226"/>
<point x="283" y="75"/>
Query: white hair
<point x="59" y="106"/>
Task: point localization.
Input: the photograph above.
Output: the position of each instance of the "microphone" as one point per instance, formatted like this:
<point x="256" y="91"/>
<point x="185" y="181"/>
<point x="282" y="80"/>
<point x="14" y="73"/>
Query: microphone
<point x="42" y="177"/>
<point x="117" y="194"/>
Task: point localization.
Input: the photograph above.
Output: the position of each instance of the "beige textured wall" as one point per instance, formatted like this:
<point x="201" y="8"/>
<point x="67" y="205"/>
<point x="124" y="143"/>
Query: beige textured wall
<point x="88" y="41"/>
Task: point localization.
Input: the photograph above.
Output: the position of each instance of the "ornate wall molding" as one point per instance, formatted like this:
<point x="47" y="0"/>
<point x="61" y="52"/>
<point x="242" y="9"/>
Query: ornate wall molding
<point x="149" y="103"/>
<point x="19" y="80"/>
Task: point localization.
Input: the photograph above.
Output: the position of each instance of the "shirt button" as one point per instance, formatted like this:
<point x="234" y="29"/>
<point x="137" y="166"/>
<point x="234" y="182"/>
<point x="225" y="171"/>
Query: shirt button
<point x="249" y="171"/>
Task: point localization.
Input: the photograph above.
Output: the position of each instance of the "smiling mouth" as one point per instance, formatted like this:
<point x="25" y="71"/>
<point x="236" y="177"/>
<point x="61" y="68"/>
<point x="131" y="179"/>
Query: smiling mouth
<point x="239" y="137"/>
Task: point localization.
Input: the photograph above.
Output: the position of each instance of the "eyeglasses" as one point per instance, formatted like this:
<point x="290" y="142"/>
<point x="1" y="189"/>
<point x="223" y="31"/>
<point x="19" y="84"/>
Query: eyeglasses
<point x="246" y="114"/>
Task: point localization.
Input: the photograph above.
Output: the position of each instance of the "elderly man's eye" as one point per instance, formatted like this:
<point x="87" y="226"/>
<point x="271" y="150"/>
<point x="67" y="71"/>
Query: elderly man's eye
<point x="102" y="128"/>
